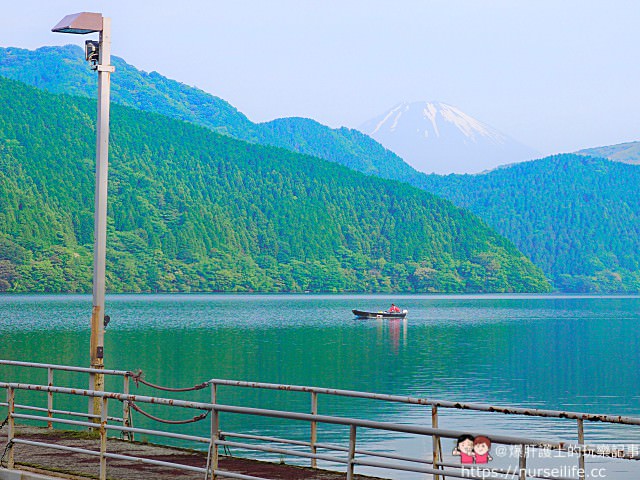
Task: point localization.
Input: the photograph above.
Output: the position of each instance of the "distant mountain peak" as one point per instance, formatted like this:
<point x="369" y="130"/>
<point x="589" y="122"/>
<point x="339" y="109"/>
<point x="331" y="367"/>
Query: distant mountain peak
<point x="438" y="137"/>
<point x="436" y="112"/>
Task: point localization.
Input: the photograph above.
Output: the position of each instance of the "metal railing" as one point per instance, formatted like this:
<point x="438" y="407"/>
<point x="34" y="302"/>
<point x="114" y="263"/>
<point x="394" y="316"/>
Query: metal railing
<point x="51" y="368"/>
<point x="350" y="460"/>
<point x="437" y="461"/>
<point x="346" y="453"/>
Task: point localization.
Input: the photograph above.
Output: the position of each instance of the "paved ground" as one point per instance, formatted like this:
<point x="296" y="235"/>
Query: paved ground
<point x="81" y="466"/>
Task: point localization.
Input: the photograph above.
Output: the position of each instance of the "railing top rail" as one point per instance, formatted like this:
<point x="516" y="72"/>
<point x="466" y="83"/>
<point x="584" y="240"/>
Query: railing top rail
<point x="388" y="426"/>
<point x="481" y="407"/>
<point x="64" y="367"/>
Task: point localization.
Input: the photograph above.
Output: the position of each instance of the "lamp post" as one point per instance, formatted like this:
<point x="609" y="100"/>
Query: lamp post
<point x="99" y="54"/>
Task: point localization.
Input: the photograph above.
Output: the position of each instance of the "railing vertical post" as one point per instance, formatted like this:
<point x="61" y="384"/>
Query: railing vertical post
<point x="215" y="430"/>
<point x="50" y="396"/>
<point x="11" y="430"/>
<point x="352" y="452"/>
<point x="103" y="438"/>
<point x="581" y="472"/>
<point x="523" y="463"/>
<point x="435" y="439"/>
<point x="92" y="386"/>
<point x="314" y="428"/>
<point x="126" y="410"/>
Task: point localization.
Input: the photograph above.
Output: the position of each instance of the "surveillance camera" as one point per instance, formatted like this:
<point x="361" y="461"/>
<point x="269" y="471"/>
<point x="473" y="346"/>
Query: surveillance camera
<point x="92" y="51"/>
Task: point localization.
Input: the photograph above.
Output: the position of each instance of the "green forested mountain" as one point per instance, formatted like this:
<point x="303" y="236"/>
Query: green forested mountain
<point x="535" y="204"/>
<point x="63" y="70"/>
<point x="344" y="146"/>
<point x="576" y="217"/>
<point x="192" y="210"/>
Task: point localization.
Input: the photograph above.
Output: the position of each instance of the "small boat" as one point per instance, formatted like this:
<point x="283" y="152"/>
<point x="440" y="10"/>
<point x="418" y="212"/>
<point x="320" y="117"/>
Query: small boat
<point x="381" y="314"/>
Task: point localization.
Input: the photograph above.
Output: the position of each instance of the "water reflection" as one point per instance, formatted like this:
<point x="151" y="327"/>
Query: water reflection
<point x="393" y="331"/>
<point x="568" y="353"/>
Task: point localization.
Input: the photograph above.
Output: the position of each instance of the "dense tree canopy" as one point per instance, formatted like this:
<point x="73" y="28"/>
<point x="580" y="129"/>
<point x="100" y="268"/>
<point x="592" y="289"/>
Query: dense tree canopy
<point x="576" y="217"/>
<point x="191" y="210"/>
<point x="579" y="242"/>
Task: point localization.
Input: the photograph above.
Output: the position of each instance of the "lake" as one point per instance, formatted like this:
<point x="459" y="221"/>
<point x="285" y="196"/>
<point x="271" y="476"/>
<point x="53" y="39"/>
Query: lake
<point x="577" y="353"/>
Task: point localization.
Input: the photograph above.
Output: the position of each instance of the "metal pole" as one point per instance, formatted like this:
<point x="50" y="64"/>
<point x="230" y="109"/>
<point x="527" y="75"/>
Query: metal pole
<point x="352" y="453"/>
<point x="103" y="438"/>
<point x="435" y="440"/>
<point x="523" y="463"/>
<point x="11" y="427"/>
<point x="215" y="432"/>
<point x="50" y="396"/>
<point x="581" y="472"/>
<point x="314" y="428"/>
<point x="100" y="225"/>
<point x="126" y="411"/>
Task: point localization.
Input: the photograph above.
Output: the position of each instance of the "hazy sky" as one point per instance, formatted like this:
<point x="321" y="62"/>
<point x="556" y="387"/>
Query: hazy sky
<point x="558" y="75"/>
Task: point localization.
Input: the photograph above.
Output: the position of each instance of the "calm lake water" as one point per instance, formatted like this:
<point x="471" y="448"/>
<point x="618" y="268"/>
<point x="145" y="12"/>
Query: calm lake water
<point x="555" y="352"/>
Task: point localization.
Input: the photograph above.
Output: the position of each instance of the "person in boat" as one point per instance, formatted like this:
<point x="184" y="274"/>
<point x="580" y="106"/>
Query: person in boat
<point x="394" y="308"/>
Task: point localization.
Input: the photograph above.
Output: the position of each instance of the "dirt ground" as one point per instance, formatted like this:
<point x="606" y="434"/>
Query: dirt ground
<point x="78" y="466"/>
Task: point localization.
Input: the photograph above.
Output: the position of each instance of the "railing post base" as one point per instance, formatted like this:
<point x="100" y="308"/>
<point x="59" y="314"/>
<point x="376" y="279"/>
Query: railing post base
<point x="11" y="426"/>
<point x="352" y="452"/>
<point x="314" y="428"/>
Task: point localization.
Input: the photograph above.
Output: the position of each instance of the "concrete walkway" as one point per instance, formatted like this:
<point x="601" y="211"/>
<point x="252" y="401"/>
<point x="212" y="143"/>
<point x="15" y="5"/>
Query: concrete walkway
<point x="60" y="464"/>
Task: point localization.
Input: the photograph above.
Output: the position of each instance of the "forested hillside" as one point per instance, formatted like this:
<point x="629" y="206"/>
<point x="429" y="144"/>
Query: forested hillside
<point x="344" y="146"/>
<point x="191" y="210"/>
<point x="63" y="70"/>
<point x="576" y="217"/>
<point x="536" y="205"/>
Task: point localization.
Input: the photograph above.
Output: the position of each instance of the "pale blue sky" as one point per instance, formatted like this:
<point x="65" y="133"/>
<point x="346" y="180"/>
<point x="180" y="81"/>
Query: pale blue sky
<point x="557" y="75"/>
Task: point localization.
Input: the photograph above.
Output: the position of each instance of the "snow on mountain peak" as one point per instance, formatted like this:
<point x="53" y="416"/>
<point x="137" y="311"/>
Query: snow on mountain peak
<point x="435" y="113"/>
<point x="430" y="112"/>
<point x="394" y="111"/>
<point x="469" y="125"/>
<point x="437" y="137"/>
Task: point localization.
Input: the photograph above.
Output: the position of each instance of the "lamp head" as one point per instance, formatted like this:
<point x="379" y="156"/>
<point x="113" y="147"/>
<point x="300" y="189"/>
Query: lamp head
<point x="80" y="23"/>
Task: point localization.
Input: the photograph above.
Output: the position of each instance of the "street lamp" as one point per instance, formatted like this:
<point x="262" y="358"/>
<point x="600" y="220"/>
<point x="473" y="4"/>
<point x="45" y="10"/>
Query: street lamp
<point x="99" y="54"/>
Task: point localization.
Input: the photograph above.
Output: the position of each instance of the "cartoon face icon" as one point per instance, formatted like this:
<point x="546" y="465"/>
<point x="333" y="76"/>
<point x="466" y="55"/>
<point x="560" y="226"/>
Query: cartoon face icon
<point x="466" y="446"/>
<point x="481" y="447"/>
<point x="464" y="449"/>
